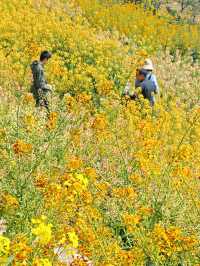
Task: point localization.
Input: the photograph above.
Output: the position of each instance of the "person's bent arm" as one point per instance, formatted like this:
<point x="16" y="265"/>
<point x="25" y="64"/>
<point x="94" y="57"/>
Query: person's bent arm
<point x="137" y="83"/>
<point x="156" y="89"/>
<point x="40" y="81"/>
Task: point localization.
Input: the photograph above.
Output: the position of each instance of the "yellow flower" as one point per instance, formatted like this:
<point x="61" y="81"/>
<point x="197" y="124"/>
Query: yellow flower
<point x="145" y="211"/>
<point x="41" y="181"/>
<point x="80" y="262"/>
<point x="4" y="249"/>
<point x="52" y="121"/>
<point x="42" y="262"/>
<point x="99" y="122"/>
<point x="91" y="173"/>
<point x="74" y="163"/>
<point x="87" y="197"/>
<point x="125" y="192"/>
<point x="73" y="238"/>
<point x="105" y="87"/>
<point x="20" y="147"/>
<point x="42" y="231"/>
<point x="136" y="178"/>
<point x="84" y="98"/>
<point x="29" y="121"/>
<point x="70" y="101"/>
<point x="21" y="251"/>
<point x="75" y="135"/>
<point x="28" y="98"/>
<point x="82" y="179"/>
<point x="131" y="219"/>
<point x="8" y="201"/>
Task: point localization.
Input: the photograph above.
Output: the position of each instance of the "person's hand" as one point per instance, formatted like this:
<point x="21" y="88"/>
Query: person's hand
<point x="49" y="88"/>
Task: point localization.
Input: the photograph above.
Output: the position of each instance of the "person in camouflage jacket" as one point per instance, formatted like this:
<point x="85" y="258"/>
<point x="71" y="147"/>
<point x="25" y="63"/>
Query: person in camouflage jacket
<point x="40" y="88"/>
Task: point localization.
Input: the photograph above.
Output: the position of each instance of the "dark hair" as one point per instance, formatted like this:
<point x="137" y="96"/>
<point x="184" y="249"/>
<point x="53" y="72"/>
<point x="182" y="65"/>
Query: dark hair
<point x="45" y="55"/>
<point x="143" y="72"/>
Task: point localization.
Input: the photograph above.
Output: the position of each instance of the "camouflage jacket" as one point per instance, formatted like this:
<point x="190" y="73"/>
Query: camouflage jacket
<point x="39" y="81"/>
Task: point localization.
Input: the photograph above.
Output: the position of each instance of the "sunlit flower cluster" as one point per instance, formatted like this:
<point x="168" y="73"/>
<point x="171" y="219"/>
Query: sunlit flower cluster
<point x="20" y="147"/>
<point x="42" y="231"/>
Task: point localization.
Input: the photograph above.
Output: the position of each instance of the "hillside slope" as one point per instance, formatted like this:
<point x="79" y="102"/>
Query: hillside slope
<point x="102" y="181"/>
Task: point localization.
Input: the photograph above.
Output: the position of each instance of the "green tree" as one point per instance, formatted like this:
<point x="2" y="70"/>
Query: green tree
<point x="192" y="7"/>
<point x="149" y="4"/>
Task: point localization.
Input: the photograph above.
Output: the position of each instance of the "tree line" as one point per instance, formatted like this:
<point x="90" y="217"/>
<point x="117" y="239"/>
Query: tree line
<point x="176" y="8"/>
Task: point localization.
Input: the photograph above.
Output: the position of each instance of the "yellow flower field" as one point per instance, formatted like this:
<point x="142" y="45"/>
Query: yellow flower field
<point x="103" y="180"/>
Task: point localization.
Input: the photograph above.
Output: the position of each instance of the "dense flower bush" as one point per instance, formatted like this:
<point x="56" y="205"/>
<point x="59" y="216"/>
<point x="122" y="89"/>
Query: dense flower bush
<point x="103" y="180"/>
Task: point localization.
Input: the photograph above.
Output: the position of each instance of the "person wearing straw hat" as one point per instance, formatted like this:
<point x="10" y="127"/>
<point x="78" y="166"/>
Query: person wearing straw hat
<point x="148" y="65"/>
<point x="149" y="85"/>
<point x="146" y="80"/>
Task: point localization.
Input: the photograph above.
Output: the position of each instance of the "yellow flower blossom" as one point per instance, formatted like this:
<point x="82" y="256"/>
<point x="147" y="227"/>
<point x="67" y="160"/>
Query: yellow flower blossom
<point x="4" y="249"/>
<point x="82" y="179"/>
<point x="74" y="163"/>
<point x="42" y="262"/>
<point x="52" y="121"/>
<point x="20" y="147"/>
<point x="28" y="98"/>
<point x="42" y="231"/>
<point x="8" y="201"/>
<point x="73" y="238"/>
<point x="131" y="219"/>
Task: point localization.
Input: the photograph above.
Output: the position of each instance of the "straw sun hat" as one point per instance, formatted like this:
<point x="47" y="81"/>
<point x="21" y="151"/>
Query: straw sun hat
<point x="148" y="64"/>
